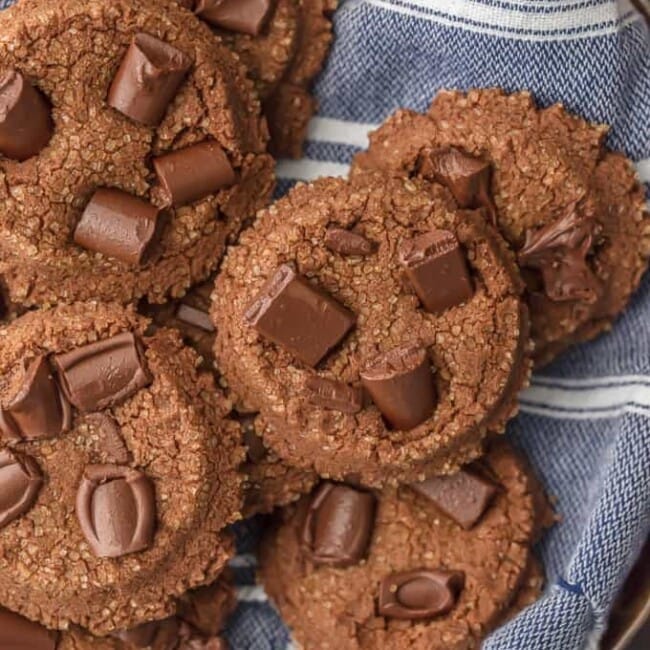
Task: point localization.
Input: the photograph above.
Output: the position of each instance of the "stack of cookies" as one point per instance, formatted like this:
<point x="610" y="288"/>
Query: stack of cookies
<point x="176" y="356"/>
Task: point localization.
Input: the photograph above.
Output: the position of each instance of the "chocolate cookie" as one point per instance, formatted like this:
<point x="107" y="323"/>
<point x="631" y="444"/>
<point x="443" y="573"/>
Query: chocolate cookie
<point x="378" y="330"/>
<point x="201" y="616"/>
<point x="283" y="43"/>
<point x="118" y="469"/>
<point x="270" y="481"/>
<point x="145" y="156"/>
<point x="573" y="211"/>
<point x="437" y="566"/>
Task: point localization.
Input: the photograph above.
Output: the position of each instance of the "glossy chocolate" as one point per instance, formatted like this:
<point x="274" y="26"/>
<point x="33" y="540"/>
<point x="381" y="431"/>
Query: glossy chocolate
<point x="400" y="383"/>
<point x="116" y="509"/>
<point x="21" y="480"/>
<point x="333" y="394"/>
<point x="19" y="633"/>
<point x="339" y="525"/>
<point x="299" y="317"/>
<point x="148" y="78"/>
<point x="436" y="268"/>
<point x="245" y="16"/>
<point x="348" y="243"/>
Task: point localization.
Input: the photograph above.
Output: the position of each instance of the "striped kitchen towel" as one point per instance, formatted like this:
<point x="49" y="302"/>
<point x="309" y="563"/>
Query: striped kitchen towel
<point x="585" y="421"/>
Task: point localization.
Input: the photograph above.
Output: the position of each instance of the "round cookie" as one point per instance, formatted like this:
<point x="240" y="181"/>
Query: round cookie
<point x="300" y="327"/>
<point x="101" y="200"/>
<point x="119" y="469"/>
<point x="283" y="44"/>
<point x="351" y="570"/>
<point x="270" y="481"/>
<point x="573" y="211"/>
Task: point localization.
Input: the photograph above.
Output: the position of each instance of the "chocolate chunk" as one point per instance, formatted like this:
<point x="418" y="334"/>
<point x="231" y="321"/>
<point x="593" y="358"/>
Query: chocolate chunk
<point x="25" y="122"/>
<point x="255" y="448"/>
<point x="195" y="317"/>
<point x="19" y="633"/>
<point x="103" y="374"/>
<point x="400" y="383"/>
<point x="468" y="178"/>
<point x="299" y="317"/>
<point x="110" y="442"/>
<point x="116" y="508"/>
<point x="245" y="16"/>
<point x="20" y="482"/>
<point x="339" y="525"/>
<point x="193" y="173"/>
<point x="335" y="395"/>
<point x="122" y="226"/>
<point x="419" y="594"/>
<point x="147" y="80"/>
<point x="348" y="243"/>
<point x="437" y="270"/>
<point x="39" y="409"/>
<point x="463" y="496"/>
<point x="157" y="635"/>
<point x="559" y="251"/>
<point x="207" y="609"/>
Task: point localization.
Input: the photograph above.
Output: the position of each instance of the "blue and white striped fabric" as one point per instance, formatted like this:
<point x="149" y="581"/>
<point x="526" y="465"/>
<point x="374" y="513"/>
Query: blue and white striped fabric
<point x="585" y="421"/>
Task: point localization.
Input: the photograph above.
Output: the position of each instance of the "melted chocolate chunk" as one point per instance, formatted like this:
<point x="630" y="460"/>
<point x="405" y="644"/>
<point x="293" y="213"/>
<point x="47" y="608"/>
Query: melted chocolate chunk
<point x="19" y="633"/>
<point x="21" y="480"/>
<point x="400" y="383"/>
<point x="437" y="270"/>
<point x="195" y="317"/>
<point x="348" y="243"/>
<point x="25" y="122"/>
<point x="419" y="594"/>
<point x="103" y="374"/>
<point x="191" y="174"/>
<point x="116" y="508"/>
<point x="339" y="525"/>
<point x="298" y="317"/>
<point x="333" y="394"/>
<point x="147" y="80"/>
<point x="245" y="16"/>
<point x="468" y="178"/>
<point x="464" y="496"/>
<point x="39" y="409"/>
<point x="559" y="251"/>
<point x="121" y="226"/>
<point x="110" y="442"/>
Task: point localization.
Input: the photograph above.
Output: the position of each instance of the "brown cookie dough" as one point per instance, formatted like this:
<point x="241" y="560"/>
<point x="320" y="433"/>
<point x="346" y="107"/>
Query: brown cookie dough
<point x="71" y="52"/>
<point x="464" y="580"/>
<point x="318" y="417"/>
<point x="136" y="469"/>
<point x="573" y="211"/>
<point x="283" y="59"/>
<point x="270" y="481"/>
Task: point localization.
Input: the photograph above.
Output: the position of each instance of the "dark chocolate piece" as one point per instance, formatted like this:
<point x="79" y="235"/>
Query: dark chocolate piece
<point x="120" y="225"/>
<point x="157" y="635"/>
<point x="245" y="16"/>
<point x="191" y="174"/>
<point x="19" y="633"/>
<point x="20" y="482"/>
<point x="335" y="395"/>
<point x="25" y="122"/>
<point x="147" y="79"/>
<point x="298" y="317"/>
<point x="39" y="409"/>
<point x="339" y="525"/>
<point x="348" y="243"/>
<point x="195" y="317"/>
<point x="103" y="374"/>
<point x="463" y="496"/>
<point x="559" y="251"/>
<point x="116" y="508"/>
<point x="437" y="270"/>
<point x="413" y="595"/>
<point x="255" y="449"/>
<point x="400" y="383"/>
<point x="468" y="178"/>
